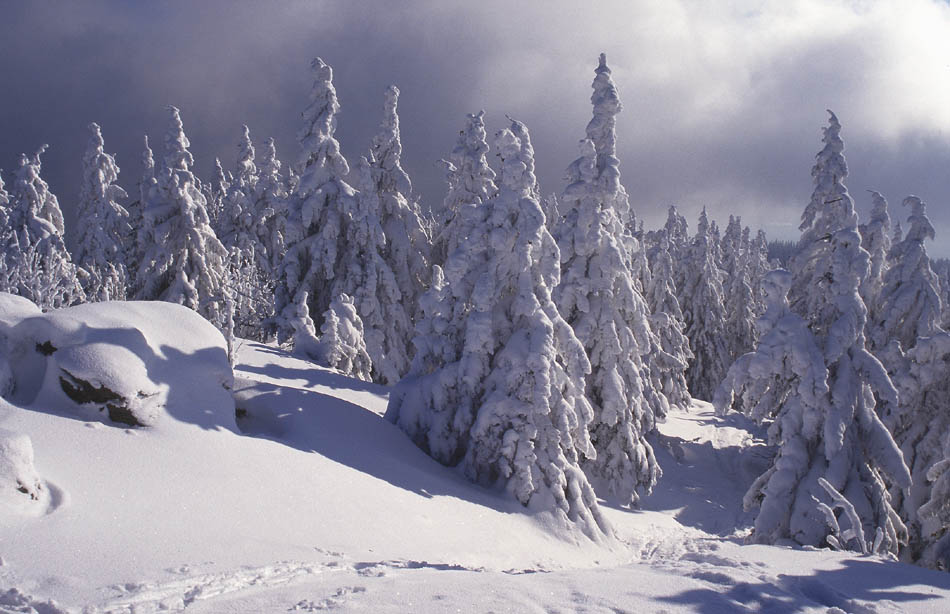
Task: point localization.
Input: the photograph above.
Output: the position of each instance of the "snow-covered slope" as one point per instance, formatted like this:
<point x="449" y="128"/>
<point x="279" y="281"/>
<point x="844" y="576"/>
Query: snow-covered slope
<point x="309" y="501"/>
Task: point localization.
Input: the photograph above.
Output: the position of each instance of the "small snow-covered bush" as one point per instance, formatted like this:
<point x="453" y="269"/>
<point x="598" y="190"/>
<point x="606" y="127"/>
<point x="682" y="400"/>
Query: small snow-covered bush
<point x="341" y="344"/>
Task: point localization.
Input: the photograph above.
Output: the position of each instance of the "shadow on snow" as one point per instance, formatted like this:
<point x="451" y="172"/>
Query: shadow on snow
<point x="858" y="581"/>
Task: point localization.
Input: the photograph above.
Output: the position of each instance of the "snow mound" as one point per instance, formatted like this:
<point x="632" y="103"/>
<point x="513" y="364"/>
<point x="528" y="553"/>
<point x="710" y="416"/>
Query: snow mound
<point x="120" y="362"/>
<point x="18" y="477"/>
<point x="14" y="308"/>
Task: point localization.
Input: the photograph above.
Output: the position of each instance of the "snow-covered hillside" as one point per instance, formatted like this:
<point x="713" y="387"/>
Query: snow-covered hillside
<point x="286" y="490"/>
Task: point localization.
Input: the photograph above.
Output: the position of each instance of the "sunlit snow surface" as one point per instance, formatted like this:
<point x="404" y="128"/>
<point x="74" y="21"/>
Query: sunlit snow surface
<point x="310" y="501"/>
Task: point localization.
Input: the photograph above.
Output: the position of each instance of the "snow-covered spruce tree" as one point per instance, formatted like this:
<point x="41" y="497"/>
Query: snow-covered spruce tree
<point x="598" y="299"/>
<point x="732" y="248"/>
<point x="677" y="230"/>
<point x="785" y="383"/>
<point x="941" y="268"/>
<point x="527" y="153"/>
<point x="740" y="308"/>
<point x="715" y="241"/>
<point x="296" y="316"/>
<point x="4" y="198"/>
<point x="315" y="234"/>
<point x="38" y="264"/>
<point x="407" y="246"/>
<point x="922" y="376"/>
<point x="639" y="259"/>
<point x="875" y="240"/>
<point x="703" y="304"/>
<point x="602" y="132"/>
<point x="215" y="193"/>
<point x="677" y="235"/>
<point x="838" y="452"/>
<point x="784" y="380"/>
<point x="135" y="248"/>
<point x="384" y="260"/>
<point x="439" y="332"/>
<point x="497" y="381"/>
<point x="103" y="224"/>
<point x="552" y="210"/>
<point x="244" y="177"/>
<point x="914" y="348"/>
<point x="270" y="194"/>
<point x="669" y="363"/>
<point x="7" y="273"/>
<point x="241" y="225"/>
<point x="897" y="236"/>
<point x="759" y="267"/>
<point x="380" y="300"/>
<point x="471" y="181"/>
<point x="909" y="303"/>
<point x="936" y="513"/>
<point x="183" y="261"/>
<point x="341" y="345"/>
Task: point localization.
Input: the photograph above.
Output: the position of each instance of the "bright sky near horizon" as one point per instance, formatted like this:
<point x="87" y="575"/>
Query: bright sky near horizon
<point x="723" y="102"/>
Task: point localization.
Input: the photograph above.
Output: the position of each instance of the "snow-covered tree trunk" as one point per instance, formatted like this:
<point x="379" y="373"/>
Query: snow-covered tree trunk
<point x="497" y="382"/>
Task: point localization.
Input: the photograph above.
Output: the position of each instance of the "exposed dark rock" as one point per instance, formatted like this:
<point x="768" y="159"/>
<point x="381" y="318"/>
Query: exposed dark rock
<point x="33" y="492"/>
<point x="46" y="348"/>
<point x="114" y="404"/>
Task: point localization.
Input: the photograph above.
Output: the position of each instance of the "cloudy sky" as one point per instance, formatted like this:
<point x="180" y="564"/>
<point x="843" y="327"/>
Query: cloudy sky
<point x="723" y="101"/>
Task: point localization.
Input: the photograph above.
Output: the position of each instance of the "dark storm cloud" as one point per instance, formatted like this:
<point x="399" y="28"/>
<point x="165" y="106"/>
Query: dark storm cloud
<point x="723" y="102"/>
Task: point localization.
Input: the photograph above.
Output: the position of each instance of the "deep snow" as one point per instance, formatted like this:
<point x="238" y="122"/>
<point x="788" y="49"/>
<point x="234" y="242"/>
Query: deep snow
<point x="309" y="501"/>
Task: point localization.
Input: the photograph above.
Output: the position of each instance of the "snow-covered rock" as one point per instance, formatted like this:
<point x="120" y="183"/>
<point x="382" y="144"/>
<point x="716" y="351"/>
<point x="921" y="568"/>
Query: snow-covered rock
<point x="120" y="361"/>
